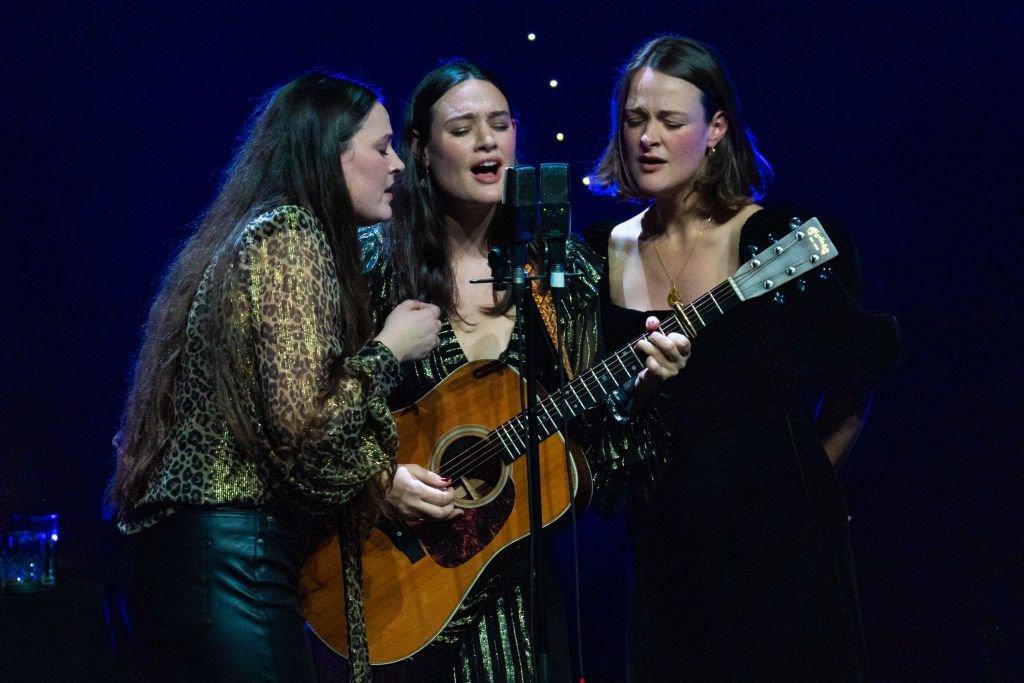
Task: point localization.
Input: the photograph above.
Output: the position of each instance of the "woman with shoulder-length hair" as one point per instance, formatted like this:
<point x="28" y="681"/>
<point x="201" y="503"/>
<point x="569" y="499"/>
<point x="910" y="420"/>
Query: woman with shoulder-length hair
<point x="258" y="401"/>
<point x="458" y="137"/>
<point x="741" y="559"/>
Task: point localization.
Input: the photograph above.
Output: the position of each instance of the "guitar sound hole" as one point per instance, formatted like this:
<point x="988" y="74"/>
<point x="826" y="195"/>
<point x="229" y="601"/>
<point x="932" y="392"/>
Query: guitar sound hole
<point x="477" y="473"/>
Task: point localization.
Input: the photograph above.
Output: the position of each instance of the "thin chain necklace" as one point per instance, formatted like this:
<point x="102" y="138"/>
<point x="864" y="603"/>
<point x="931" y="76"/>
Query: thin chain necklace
<point x="674" y="297"/>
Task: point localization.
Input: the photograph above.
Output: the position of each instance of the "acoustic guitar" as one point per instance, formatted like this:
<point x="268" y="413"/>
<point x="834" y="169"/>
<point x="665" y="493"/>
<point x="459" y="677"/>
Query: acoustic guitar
<point x="470" y="429"/>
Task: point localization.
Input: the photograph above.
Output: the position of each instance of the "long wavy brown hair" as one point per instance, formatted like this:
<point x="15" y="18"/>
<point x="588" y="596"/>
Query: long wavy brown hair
<point x="735" y="175"/>
<point x="289" y="154"/>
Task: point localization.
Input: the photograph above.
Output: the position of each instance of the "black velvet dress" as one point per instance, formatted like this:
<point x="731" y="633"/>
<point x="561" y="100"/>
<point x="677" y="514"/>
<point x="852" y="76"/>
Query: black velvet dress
<point x="742" y="566"/>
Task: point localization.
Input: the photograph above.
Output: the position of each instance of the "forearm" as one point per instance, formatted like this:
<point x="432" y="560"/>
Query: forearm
<point x="840" y="421"/>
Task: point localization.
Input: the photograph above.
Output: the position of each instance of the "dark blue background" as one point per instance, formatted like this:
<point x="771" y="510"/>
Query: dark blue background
<point x="902" y="122"/>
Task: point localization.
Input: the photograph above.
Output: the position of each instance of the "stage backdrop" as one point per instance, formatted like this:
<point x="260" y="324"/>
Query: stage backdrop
<point x="902" y="121"/>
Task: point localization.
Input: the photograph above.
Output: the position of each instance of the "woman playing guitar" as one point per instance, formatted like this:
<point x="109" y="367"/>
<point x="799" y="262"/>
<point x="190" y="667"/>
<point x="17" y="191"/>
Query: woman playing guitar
<point x="457" y="138"/>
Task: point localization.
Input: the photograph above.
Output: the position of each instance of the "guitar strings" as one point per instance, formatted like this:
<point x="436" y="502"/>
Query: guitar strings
<point x="481" y="453"/>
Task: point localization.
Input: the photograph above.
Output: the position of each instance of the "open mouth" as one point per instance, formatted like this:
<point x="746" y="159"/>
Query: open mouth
<point x="650" y="163"/>
<point x="488" y="171"/>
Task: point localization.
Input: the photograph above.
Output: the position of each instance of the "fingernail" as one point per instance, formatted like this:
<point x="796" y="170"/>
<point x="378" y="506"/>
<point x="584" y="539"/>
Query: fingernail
<point x="446" y="480"/>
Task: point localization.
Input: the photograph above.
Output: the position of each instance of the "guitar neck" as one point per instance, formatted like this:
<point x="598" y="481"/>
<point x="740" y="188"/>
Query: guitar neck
<point x="590" y="388"/>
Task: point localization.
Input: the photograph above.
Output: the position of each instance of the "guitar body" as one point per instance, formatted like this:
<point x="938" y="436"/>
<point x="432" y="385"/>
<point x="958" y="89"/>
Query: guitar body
<point x="415" y="577"/>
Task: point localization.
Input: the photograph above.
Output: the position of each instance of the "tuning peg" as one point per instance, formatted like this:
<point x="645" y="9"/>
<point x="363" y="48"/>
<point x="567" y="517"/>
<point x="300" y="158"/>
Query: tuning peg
<point x="801" y="285"/>
<point x="795" y="222"/>
<point x="779" y="298"/>
<point x="752" y="250"/>
<point x="772" y="237"/>
<point x="825" y="273"/>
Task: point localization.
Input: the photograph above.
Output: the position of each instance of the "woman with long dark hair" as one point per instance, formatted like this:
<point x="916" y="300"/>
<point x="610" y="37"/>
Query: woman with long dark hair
<point x="258" y="403"/>
<point x="741" y="558"/>
<point x="458" y="137"/>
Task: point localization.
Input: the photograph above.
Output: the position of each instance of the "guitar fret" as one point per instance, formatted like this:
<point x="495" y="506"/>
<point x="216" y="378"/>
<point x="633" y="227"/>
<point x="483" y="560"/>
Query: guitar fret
<point x="582" y="407"/>
<point x="671" y="324"/>
<point x="697" y="313"/>
<point x="600" y="386"/>
<point x="624" y="366"/>
<point x="715" y="301"/>
<point x="504" y="445"/>
<point x="517" y="436"/>
<point x="589" y="392"/>
<point x="635" y="354"/>
<point x="542" y="405"/>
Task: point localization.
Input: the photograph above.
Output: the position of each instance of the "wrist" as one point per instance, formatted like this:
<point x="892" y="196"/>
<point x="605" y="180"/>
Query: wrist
<point x="387" y="343"/>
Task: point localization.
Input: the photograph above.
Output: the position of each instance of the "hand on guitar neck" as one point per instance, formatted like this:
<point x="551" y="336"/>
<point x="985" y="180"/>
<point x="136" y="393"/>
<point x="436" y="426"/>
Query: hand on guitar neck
<point x="666" y="356"/>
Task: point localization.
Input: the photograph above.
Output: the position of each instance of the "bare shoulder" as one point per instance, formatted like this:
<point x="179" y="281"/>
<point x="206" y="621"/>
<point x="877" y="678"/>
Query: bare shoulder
<point x="625" y="236"/>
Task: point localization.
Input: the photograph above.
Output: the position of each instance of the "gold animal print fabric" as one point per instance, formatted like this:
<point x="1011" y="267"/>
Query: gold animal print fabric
<point x="321" y="420"/>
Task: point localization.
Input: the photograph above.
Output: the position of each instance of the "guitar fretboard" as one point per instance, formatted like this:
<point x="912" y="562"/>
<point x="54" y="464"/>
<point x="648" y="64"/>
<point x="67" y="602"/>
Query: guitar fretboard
<point x="593" y="386"/>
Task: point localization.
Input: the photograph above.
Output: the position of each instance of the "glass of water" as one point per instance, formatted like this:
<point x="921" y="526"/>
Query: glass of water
<point x="44" y="526"/>
<point x="22" y="560"/>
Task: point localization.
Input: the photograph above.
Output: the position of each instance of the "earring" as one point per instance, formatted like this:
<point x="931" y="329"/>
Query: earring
<point x="424" y="181"/>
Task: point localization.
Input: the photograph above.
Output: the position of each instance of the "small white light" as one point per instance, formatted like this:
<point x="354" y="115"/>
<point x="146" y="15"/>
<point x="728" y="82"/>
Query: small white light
<point x="559" y="137"/>
<point x="586" y="180"/>
<point x="553" y="83"/>
<point x="531" y="36"/>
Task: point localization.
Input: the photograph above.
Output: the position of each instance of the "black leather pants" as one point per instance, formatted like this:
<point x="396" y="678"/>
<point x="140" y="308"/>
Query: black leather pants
<point x="210" y="593"/>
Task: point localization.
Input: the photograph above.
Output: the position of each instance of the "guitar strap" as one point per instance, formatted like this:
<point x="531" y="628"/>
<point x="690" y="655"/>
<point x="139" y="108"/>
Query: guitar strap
<point x="546" y="308"/>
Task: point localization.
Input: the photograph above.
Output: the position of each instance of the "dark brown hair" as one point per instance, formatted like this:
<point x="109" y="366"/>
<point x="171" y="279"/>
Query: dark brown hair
<point x="415" y="239"/>
<point x="290" y="154"/>
<point x="735" y="175"/>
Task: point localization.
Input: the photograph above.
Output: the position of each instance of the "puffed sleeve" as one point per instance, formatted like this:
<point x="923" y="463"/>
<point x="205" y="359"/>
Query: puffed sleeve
<point x="853" y="349"/>
<point x="324" y="416"/>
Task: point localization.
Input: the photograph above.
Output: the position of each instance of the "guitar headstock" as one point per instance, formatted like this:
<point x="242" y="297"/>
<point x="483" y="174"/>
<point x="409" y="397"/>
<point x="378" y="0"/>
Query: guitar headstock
<point x="804" y="248"/>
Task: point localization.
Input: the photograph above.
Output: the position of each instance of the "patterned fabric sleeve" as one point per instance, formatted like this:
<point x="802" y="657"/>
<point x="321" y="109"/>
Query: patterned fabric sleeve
<point x="324" y="416"/>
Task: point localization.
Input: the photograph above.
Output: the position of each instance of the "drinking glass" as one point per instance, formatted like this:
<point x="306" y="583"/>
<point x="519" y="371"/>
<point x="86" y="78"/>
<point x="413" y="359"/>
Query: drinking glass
<point x="45" y="526"/>
<point x="22" y="560"/>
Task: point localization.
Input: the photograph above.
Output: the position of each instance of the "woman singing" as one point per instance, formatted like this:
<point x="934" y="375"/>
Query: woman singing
<point x="458" y="136"/>
<point x="258" y="405"/>
<point x="741" y="558"/>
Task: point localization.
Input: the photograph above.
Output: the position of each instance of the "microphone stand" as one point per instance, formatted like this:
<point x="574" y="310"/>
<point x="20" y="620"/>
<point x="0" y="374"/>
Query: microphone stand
<point x="521" y="199"/>
<point x="525" y="307"/>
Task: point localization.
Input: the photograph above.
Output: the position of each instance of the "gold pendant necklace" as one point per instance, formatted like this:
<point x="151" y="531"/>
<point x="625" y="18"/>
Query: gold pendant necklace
<point x="674" y="297"/>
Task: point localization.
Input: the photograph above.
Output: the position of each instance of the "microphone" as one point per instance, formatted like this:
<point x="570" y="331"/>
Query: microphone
<point x="554" y="220"/>
<point x="521" y="200"/>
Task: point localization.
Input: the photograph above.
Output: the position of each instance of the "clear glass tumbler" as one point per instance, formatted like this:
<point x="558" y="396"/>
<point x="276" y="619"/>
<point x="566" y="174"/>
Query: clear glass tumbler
<point x="23" y="560"/>
<point x="45" y="526"/>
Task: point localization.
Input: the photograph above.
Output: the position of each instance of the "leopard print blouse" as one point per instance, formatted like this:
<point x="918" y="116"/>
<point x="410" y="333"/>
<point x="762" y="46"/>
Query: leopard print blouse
<point x="284" y="334"/>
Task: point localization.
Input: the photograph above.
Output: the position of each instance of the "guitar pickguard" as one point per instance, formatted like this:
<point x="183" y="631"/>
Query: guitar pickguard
<point x="454" y="543"/>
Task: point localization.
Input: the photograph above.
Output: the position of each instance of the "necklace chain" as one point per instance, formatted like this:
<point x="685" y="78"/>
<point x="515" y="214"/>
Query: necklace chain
<point x="674" y="297"/>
